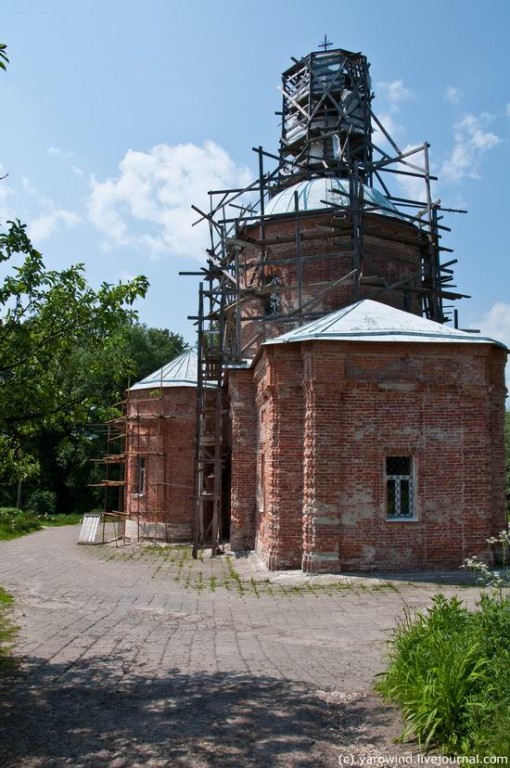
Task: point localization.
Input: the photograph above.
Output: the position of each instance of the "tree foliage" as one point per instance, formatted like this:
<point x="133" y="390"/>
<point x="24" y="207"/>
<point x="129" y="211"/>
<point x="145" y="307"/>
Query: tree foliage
<point x="53" y="328"/>
<point x="151" y="348"/>
<point x="66" y="453"/>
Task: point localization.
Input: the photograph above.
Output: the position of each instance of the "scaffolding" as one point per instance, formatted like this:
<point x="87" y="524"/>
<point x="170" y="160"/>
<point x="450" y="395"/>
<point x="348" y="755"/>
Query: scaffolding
<point x="326" y="115"/>
<point x="329" y="130"/>
<point x="136" y="441"/>
<point x="145" y="449"/>
<point x="114" y="480"/>
<point x="210" y="446"/>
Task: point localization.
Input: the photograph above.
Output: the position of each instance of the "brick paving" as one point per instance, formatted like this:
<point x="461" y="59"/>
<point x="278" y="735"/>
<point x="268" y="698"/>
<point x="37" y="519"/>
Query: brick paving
<point x="141" y="656"/>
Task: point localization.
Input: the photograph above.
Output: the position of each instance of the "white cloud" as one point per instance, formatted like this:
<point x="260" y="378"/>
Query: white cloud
<point x="507" y="110"/>
<point x="52" y="216"/>
<point x="395" y="92"/>
<point x="472" y="140"/>
<point x="67" y="155"/>
<point x="496" y="323"/>
<point x="57" y="152"/>
<point x="148" y="205"/>
<point x="47" y="224"/>
<point x="77" y="171"/>
<point x="453" y="95"/>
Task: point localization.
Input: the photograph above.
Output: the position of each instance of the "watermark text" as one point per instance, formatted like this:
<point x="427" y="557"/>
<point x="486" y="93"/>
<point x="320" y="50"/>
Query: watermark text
<point x="349" y="759"/>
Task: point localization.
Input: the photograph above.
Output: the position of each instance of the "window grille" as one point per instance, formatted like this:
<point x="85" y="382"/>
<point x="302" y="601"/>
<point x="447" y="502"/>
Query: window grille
<point x="399" y="488"/>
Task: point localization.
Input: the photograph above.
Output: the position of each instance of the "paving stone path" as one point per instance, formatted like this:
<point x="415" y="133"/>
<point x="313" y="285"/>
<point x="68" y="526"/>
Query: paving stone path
<point x="140" y="656"/>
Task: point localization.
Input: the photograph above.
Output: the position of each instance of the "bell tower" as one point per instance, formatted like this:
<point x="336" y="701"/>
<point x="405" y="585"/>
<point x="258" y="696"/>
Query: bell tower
<point x="326" y="115"/>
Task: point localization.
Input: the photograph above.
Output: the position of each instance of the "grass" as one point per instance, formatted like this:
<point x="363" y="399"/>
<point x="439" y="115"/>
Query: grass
<point x="53" y="521"/>
<point x="449" y="673"/>
<point x="15" y="523"/>
<point x="7" y="633"/>
<point x="206" y="574"/>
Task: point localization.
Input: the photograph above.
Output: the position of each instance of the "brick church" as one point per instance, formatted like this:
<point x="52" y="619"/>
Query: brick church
<point x="334" y="416"/>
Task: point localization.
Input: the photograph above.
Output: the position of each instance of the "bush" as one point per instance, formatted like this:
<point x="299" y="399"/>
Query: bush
<point x="14" y="522"/>
<point x="6" y="513"/>
<point x="449" y="672"/>
<point x="42" y="503"/>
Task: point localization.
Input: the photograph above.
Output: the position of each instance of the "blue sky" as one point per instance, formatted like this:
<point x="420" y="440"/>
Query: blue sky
<point x="118" y="114"/>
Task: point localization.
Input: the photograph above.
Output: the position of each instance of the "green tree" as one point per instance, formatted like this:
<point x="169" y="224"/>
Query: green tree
<point x="53" y="327"/>
<point x="151" y="348"/>
<point x="66" y="453"/>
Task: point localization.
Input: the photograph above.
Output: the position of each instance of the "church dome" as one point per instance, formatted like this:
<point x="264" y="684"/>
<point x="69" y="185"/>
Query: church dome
<point x="180" y="372"/>
<point x="320" y="193"/>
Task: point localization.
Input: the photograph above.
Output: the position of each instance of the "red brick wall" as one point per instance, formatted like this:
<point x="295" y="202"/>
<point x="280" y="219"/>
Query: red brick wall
<point x="278" y="379"/>
<point x="321" y="497"/>
<point x="161" y="427"/>
<point x="326" y="258"/>
<point x="497" y="389"/>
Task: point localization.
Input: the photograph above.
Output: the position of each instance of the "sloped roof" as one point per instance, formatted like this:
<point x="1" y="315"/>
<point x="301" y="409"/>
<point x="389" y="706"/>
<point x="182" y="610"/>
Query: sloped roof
<point x="369" y="320"/>
<point x="180" y="372"/>
<point x="319" y="193"/>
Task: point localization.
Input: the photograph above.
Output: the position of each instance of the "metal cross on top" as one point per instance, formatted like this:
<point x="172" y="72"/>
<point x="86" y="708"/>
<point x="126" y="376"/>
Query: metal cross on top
<point x="326" y="44"/>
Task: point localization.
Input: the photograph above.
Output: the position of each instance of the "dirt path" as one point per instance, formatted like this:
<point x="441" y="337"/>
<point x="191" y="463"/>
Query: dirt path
<point x="138" y="656"/>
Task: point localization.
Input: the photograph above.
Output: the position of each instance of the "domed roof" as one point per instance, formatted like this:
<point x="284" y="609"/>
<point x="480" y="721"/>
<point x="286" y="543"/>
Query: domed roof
<point x="180" y="372"/>
<point x="369" y="320"/>
<point x="316" y="194"/>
